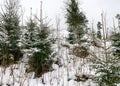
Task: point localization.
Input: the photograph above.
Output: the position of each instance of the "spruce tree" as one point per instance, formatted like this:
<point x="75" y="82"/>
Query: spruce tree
<point x="77" y="26"/>
<point x="105" y="65"/>
<point x="10" y="22"/>
<point x="38" y="40"/>
<point x="76" y="21"/>
<point x="116" y="44"/>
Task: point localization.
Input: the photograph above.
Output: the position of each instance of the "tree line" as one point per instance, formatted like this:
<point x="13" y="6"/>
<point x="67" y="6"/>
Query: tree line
<point x="37" y="39"/>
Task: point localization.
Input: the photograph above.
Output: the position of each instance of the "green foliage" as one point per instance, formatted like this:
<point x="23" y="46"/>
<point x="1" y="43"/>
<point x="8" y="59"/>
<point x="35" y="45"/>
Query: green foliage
<point x="116" y="44"/>
<point x="76" y="21"/>
<point x="71" y="38"/>
<point x="77" y="26"/>
<point x="38" y="39"/>
<point x="31" y="34"/>
<point x="10" y="22"/>
<point x="105" y="65"/>
<point x="41" y="61"/>
<point x="74" y="16"/>
<point x="107" y="73"/>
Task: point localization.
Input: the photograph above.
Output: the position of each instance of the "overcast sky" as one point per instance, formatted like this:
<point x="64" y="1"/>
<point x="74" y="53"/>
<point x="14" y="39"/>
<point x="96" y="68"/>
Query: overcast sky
<point x="92" y="8"/>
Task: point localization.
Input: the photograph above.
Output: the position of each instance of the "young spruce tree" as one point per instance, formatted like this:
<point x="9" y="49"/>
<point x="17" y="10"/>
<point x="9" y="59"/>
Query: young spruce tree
<point x="76" y="21"/>
<point x="116" y="39"/>
<point x="41" y="60"/>
<point x="106" y="65"/>
<point x="10" y="22"/>
<point x="38" y="40"/>
<point x="116" y="44"/>
<point x="77" y="26"/>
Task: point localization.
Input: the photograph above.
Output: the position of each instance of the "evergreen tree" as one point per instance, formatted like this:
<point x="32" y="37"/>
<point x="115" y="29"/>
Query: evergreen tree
<point x="105" y="64"/>
<point x="116" y="39"/>
<point x="76" y="21"/>
<point x="10" y="22"/>
<point x="116" y="44"/>
<point x="77" y="28"/>
<point x="41" y="59"/>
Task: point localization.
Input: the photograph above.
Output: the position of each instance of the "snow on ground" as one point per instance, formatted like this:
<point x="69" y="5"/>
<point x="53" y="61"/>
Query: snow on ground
<point x="62" y="75"/>
<point x="58" y="77"/>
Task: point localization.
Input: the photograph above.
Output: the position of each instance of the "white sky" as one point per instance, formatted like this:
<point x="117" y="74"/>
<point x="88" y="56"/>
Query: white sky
<point x="92" y="9"/>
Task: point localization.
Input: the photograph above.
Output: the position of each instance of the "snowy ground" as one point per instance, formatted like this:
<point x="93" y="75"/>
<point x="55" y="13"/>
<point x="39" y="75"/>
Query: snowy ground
<point x="58" y="77"/>
<point x="62" y="75"/>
